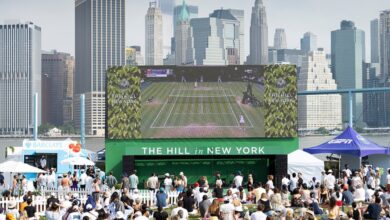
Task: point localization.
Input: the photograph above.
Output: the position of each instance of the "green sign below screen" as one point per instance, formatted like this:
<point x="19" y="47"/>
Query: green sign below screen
<point x="158" y="147"/>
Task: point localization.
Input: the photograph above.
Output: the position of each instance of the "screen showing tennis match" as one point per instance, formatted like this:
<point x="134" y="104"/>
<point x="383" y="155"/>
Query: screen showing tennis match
<point x="201" y="102"/>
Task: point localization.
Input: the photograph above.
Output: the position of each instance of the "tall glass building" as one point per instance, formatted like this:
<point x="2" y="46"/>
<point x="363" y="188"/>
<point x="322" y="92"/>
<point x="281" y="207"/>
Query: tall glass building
<point x="153" y="35"/>
<point x="20" y="77"/>
<point x="280" y="41"/>
<point x="258" y="35"/>
<point x="308" y="42"/>
<point x="100" y="43"/>
<point x="348" y="55"/>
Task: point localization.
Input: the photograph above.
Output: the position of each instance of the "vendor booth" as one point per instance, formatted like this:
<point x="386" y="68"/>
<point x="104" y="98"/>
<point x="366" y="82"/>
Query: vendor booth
<point x="47" y="154"/>
<point x="305" y="163"/>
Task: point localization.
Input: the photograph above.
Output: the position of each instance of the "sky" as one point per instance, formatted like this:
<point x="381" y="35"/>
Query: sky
<point x="56" y="18"/>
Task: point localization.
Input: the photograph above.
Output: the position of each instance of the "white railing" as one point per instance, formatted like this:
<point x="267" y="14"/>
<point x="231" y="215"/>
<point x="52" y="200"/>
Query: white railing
<point x="147" y="197"/>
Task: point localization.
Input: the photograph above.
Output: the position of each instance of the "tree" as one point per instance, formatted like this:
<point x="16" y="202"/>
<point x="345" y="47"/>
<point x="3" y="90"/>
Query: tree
<point x="44" y="128"/>
<point x="323" y="130"/>
<point x="67" y="128"/>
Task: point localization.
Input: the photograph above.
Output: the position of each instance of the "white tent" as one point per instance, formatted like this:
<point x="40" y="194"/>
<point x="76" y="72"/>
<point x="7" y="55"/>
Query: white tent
<point x="305" y="163"/>
<point x="78" y="161"/>
<point x="11" y="166"/>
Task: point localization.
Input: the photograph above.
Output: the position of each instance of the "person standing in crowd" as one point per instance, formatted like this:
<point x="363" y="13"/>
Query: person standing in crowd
<point x="125" y="182"/>
<point x="227" y="210"/>
<point x="388" y="178"/>
<point x="285" y="181"/>
<point x="152" y="182"/>
<point x="184" y="179"/>
<point x="323" y="175"/>
<point x="258" y="191"/>
<point x="237" y="181"/>
<point x="347" y="171"/>
<point x="270" y="182"/>
<point x="83" y="180"/>
<point x="218" y="180"/>
<point x="293" y="182"/>
<point x="30" y="210"/>
<point x="111" y="181"/>
<point x="133" y="181"/>
<point x="167" y="182"/>
<point x="189" y="202"/>
<point x="330" y="180"/>
<point x="116" y="205"/>
<point x="43" y="163"/>
<point x="74" y="181"/>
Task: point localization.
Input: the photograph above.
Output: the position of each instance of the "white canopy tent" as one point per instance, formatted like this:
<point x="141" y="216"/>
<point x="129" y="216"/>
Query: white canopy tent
<point x="78" y="161"/>
<point x="305" y="163"/>
<point x="11" y="166"/>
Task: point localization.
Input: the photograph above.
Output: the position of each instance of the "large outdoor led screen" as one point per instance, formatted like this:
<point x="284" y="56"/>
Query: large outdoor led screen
<point x="201" y="102"/>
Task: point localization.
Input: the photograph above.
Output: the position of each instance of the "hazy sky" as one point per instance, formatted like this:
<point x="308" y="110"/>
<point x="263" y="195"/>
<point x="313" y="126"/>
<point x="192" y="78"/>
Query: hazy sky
<point x="56" y="17"/>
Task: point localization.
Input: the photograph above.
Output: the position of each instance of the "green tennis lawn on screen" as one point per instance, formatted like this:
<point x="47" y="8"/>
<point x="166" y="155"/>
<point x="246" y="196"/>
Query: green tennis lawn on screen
<point x="207" y="109"/>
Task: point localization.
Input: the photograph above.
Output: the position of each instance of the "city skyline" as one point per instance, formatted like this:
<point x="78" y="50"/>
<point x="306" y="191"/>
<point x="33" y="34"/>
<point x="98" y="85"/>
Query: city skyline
<point x="295" y="17"/>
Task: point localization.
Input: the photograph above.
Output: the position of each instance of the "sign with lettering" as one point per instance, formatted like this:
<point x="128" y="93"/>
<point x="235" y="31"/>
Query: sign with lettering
<point x="340" y="141"/>
<point x="153" y="147"/>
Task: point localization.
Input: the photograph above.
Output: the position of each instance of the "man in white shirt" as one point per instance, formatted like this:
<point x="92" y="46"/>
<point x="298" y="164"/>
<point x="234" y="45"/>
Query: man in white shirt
<point x="176" y="210"/>
<point x="330" y="180"/>
<point x="167" y="183"/>
<point x="347" y="171"/>
<point x="237" y="181"/>
<point x="293" y="182"/>
<point x="227" y="210"/>
<point x="285" y="181"/>
<point x="83" y="179"/>
<point x="152" y="182"/>
<point x="259" y="215"/>
<point x="51" y="179"/>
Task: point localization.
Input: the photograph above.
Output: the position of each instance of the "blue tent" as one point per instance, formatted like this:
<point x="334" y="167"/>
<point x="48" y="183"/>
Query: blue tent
<point x="349" y="142"/>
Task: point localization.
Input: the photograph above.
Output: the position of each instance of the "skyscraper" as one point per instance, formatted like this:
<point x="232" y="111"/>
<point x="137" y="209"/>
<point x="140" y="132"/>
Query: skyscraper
<point x="100" y="43"/>
<point x="57" y="88"/>
<point x="280" y="41"/>
<point x="206" y="33"/>
<point x="258" y="35"/>
<point x="153" y="36"/>
<point x="166" y="7"/>
<point x="192" y="13"/>
<point x="183" y="39"/>
<point x="374" y="27"/>
<point x="384" y="58"/>
<point x="230" y="35"/>
<point x="240" y="16"/>
<point x="384" y="37"/>
<point x="308" y="42"/>
<point x="20" y="76"/>
<point x="316" y="111"/>
<point x="134" y="56"/>
<point x="348" y="55"/>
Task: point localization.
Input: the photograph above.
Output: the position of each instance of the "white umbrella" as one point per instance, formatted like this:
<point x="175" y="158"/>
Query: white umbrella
<point x="11" y="166"/>
<point x="78" y="161"/>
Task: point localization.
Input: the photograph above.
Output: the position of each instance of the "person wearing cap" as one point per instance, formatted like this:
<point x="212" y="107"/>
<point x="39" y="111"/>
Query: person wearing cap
<point x="12" y="212"/>
<point x="167" y="182"/>
<point x="330" y="180"/>
<point x="161" y="198"/>
<point x="133" y="179"/>
<point x="90" y="213"/>
<point x="119" y="216"/>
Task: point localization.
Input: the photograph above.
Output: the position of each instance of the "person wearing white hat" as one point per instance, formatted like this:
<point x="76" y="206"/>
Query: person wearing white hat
<point x="12" y="210"/>
<point x="167" y="182"/>
<point x="184" y="178"/>
<point x="90" y="212"/>
<point x="330" y="180"/>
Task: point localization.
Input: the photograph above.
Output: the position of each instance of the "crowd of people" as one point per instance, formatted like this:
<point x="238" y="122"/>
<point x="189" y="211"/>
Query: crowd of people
<point x="357" y="194"/>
